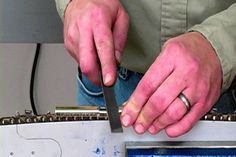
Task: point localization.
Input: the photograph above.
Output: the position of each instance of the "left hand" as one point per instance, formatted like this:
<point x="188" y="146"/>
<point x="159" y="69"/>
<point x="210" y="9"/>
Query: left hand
<point x="187" y="64"/>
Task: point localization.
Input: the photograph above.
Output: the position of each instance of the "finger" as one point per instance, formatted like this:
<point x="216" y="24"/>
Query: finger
<point x="87" y="55"/>
<point x="156" y="74"/>
<point x="105" y="49"/>
<point x="173" y="113"/>
<point x="165" y="94"/>
<point x="187" y="122"/>
<point x="120" y="31"/>
<point x="203" y="104"/>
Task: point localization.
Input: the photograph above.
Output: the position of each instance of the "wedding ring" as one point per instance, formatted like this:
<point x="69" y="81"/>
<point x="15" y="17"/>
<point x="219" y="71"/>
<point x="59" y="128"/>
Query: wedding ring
<point x="185" y="101"/>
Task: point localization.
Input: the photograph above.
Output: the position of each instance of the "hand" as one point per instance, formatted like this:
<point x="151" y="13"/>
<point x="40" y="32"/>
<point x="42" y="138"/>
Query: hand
<point x="188" y="65"/>
<point x="96" y="30"/>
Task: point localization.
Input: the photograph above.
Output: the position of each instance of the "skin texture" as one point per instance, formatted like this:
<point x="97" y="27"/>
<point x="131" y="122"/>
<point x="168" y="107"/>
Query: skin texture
<point x="95" y="32"/>
<point x="187" y="64"/>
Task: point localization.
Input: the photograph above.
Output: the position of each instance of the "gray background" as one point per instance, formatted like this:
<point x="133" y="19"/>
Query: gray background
<point x="28" y="22"/>
<point x="55" y="82"/>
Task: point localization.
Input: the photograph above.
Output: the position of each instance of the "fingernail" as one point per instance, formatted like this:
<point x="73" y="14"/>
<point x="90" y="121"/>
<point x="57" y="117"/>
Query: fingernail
<point x="152" y="129"/>
<point x="124" y="103"/>
<point x="126" y="119"/>
<point x="118" y="56"/>
<point x="139" y="128"/>
<point x="107" y="79"/>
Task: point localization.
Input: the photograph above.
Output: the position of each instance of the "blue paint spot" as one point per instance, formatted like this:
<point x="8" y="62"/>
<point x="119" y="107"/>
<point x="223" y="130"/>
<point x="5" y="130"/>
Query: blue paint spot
<point x="100" y="151"/>
<point x="97" y="151"/>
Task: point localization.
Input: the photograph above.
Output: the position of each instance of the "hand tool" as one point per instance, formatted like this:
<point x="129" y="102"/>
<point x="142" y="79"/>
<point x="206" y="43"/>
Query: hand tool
<point x="112" y="107"/>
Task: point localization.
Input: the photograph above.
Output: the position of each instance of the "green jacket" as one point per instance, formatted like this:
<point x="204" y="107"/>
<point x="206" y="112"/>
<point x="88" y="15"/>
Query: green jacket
<point x="152" y="22"/>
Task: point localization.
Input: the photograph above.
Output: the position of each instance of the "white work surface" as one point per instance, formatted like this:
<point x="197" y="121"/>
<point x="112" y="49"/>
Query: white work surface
<point x="93" y="138"/>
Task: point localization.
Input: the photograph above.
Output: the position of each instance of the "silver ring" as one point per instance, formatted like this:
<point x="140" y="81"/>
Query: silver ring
<point x="185" y="101"/>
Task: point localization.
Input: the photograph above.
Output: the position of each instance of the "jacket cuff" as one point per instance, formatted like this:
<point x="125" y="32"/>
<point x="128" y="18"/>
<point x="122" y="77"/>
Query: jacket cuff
<point x="61" y="6"/>
<point x="213" y="36"/>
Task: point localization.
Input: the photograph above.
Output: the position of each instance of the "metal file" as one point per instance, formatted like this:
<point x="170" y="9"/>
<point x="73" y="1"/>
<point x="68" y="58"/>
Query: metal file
<point x="112" y="109"/>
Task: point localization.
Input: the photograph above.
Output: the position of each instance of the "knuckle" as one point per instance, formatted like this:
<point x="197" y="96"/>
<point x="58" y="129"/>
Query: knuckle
<point x="91" y="5"/>
<point x="193" y="66"/>
<point x="82" y="22"/>
<point x="173" y="114"/>
<point x="97" y="12"/>
<point x="153" y="108"/>
<point x="103" y="44"/>
<point x="147" y="86"/>
<point x="174" y="47"/>
<point x="162" y="100"/>
<point x="126" y="15"/>
<point x="157" y="104"/>
<point x="192" y="69"/>
<point x="70" y="35"/>
<point x="66" y="44"/>
<point x="150" y="112"/>
<point x="86" y="69"/>
<point x="68" y="47"/>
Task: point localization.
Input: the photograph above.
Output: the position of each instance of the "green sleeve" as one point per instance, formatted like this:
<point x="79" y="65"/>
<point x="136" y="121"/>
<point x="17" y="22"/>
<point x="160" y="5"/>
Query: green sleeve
<point x="61" y="7"/>
<point x="220" y="31"/>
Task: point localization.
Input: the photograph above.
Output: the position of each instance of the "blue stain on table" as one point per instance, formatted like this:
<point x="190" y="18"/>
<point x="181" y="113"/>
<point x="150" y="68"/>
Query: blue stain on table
<point x="99" y="151"/>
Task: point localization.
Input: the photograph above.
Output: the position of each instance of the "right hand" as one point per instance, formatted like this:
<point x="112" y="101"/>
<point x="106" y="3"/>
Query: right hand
<point x="96" y="30"/>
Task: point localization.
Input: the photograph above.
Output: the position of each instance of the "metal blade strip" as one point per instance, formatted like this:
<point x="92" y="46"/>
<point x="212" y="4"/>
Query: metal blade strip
<point x="112" y="109"/>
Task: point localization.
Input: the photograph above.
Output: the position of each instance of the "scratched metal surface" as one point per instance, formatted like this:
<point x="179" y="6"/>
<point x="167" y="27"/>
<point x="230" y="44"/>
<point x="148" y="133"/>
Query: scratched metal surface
<point x="93" y="138"/>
